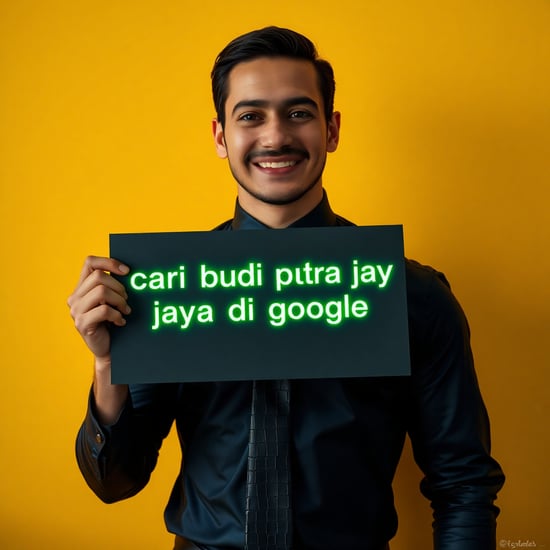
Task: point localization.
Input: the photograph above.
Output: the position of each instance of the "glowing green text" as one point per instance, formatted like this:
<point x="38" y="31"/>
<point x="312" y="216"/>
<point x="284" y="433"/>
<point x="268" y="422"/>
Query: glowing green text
<point x="307" y="274"/>
<point x="332" y="312"/>
<point x="158" y="280"/>
<point x="181" y="315"/>
<point x="370" y="274"/>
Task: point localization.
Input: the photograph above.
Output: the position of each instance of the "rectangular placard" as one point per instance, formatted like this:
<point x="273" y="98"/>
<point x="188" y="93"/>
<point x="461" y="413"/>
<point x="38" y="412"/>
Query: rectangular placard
<point x="262" y="304"/>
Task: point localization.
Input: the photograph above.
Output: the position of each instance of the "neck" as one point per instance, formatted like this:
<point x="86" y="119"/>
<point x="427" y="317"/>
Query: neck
<point x="279" y="216"/>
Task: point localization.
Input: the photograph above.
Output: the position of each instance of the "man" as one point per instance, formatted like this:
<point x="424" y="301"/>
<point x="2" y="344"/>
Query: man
<point x="275" y="124"/>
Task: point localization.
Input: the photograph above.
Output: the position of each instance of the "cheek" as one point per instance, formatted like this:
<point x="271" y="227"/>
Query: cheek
<point x="313" y="137"/>
<point x="237" y="143"/>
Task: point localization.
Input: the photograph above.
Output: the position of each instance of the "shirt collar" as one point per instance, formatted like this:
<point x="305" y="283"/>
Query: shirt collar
<point x="321" y="216"/>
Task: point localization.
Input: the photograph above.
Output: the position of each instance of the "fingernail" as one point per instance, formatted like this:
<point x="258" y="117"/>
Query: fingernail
<point x="128" y="309"/>
<point x="124" y="268"/>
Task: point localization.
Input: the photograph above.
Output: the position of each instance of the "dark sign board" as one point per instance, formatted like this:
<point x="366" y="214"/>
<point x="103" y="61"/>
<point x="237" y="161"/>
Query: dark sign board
<point x="262" y="304"/>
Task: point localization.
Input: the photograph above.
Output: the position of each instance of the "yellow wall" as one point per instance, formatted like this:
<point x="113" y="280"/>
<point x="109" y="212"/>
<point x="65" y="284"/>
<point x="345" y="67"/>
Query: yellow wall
<point x="105" y="127"/>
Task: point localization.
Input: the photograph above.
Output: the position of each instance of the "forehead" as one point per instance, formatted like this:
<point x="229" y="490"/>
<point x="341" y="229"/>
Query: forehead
<point x="272" y="79"/>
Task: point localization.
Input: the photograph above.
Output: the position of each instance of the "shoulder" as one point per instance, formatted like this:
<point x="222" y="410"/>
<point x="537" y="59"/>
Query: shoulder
<point x="433" y="310"/>
<point x="224" y="226"/>
<point x="423" y="280"/>
<point x="340" y="221"/>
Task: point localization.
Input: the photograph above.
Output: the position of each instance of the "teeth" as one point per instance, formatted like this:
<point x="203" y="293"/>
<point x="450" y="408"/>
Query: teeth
<point x="285" y="164"/>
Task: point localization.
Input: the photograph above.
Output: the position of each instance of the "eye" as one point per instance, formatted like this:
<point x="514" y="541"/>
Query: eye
<point x="249" y="117"/>
<point x="300" y="115"/>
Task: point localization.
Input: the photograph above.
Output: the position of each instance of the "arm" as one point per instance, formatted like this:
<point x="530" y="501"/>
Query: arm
<point x="117" y="445"/>
<point x="97" y="301"/>
<point x="116" y="460"/>
<point x="449" y="426"/>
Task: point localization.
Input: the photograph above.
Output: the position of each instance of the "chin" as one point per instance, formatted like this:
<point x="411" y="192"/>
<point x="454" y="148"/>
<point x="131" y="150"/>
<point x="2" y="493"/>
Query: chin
<point x="280" y="198"/>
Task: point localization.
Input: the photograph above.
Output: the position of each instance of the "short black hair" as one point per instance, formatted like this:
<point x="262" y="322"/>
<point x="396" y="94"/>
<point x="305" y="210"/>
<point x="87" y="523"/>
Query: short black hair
<point x="269" y="42"/>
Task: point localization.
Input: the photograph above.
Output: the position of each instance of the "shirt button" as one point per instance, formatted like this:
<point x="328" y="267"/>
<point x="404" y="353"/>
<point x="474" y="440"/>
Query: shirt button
<point x="98" y="438"/>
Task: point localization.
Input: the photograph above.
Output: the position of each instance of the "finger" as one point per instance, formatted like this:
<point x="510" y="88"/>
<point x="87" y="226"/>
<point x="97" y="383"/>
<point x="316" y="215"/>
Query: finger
<point x="100" y="295"/>
<point x="96" y="278"/>
<point x="88" y="323"/>
<point x="104" y="264"/>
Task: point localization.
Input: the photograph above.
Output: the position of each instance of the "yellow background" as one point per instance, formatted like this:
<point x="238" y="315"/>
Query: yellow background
<point x="105" y="116"/>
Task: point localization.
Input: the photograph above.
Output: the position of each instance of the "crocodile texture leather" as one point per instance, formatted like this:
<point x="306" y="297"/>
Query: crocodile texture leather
<point x="268" y="504"/>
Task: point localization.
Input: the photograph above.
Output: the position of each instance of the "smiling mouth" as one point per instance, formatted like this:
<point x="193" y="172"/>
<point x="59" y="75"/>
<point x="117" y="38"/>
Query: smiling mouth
<point x="279" y="164"/>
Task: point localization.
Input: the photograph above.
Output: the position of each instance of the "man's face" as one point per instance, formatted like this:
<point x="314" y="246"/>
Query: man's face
<point x="275" y="137"/>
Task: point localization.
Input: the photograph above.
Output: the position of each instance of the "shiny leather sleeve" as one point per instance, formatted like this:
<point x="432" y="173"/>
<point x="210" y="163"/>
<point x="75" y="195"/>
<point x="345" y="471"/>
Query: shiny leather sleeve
<point x="449" y="426"/>
<point x="117" y="460"/>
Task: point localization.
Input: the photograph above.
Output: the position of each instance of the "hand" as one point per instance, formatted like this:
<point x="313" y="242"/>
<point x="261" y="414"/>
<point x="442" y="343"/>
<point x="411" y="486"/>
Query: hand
<point x="98" y="300"/>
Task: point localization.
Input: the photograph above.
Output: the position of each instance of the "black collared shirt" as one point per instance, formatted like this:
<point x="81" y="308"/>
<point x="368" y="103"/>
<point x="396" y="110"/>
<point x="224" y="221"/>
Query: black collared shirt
<point x="347" y="436"/>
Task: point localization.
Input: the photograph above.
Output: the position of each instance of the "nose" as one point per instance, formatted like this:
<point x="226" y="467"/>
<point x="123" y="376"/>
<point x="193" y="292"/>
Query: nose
<point x="275" y="134"/>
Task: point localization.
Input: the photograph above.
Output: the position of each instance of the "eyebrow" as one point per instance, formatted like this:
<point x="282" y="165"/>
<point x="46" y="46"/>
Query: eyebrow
<point x="291" y="101"/>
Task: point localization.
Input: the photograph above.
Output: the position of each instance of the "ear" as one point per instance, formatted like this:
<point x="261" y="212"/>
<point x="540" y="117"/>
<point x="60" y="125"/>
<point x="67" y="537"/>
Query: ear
<point x="219" y="140"/>
<point x="333" y="131"/>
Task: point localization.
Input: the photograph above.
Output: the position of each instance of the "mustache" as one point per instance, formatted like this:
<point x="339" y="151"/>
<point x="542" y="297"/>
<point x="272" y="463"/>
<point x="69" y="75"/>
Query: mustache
<point x="276" y="153"/>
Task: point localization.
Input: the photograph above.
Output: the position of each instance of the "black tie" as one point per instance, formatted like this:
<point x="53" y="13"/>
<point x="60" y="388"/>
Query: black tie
<point x="268" y="510"/>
